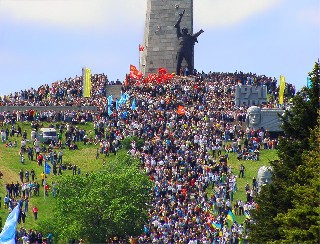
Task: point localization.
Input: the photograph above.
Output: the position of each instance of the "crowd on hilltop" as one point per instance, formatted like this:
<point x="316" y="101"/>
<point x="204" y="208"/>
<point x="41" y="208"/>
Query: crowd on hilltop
<point x="184" y="153"/>
<point x="67" y="92"/>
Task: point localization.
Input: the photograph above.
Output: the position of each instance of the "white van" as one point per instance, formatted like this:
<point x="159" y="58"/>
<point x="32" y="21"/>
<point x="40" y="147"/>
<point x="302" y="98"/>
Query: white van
<point x="46" y="135"/>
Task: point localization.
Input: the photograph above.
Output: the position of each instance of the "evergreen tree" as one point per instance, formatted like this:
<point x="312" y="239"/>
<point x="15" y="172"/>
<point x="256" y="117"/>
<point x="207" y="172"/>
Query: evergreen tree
<point x="301" y="223"/>
<point x="276" y="199"/>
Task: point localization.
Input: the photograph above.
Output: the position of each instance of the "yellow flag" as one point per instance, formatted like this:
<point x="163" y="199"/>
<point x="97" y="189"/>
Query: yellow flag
<point x="86" y="82"/>
<point x="281" y="88"/>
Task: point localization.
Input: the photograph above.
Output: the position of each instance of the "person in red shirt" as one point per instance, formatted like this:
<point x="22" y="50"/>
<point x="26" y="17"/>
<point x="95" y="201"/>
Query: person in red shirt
<point x="40" y="159"/>
<point x="46" y="189"/>
<point x="35" y="212"/>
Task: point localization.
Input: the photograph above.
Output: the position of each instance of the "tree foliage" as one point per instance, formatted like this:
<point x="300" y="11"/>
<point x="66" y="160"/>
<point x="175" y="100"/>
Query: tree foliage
<point x="289" y="208"/>
<point x="128" y="140"/>
<point x="103" y="204"/>
<point x="301" y="222"/>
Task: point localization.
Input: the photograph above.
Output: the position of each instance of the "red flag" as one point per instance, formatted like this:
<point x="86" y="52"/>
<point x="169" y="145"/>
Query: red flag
<point x="181" y="110"/>
<point x="132" y="75"/>
<point x="167" y="77"/>
<point x="159" y="80"/>
<point x="126" y="81"/>
<point x="133" y="72"/>
<point x="133" y="69"/>
<point x="139" y="75"/>
<point x="162" y="71"/>
<point x="141" y="48"/>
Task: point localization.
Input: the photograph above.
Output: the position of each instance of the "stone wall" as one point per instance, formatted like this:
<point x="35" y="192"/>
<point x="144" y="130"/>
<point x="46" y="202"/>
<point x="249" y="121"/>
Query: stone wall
<point x="271" y="120"/>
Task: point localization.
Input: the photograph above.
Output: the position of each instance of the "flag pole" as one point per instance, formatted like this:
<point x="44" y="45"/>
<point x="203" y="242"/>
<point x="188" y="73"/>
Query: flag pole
<point x="44" y="181"/>
<point x="139" y="56"/>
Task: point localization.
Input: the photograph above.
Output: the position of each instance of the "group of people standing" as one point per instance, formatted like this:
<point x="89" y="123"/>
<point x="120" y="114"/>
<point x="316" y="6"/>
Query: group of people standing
<point x="184" y="153"/>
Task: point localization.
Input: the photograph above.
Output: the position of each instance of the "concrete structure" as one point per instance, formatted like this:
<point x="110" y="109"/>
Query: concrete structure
<point x="114" y="90"/>
<point x="246" y="95"/>
<point x="264" y="175"/>
<point x="160" y="39"/>
<point x="267" y="118"/>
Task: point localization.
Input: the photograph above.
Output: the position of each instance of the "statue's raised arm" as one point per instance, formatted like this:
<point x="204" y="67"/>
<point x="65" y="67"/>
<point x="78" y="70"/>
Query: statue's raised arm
<point x="198" y="33"/>
<point x="177" y="25"/>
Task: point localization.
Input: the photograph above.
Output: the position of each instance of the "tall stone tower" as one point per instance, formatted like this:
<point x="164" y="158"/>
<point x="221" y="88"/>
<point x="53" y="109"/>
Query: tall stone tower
<point x="160" y="38"/>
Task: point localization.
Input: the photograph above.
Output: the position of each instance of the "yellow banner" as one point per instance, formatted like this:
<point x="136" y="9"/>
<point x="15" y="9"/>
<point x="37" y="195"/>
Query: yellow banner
<point x="86" y="82"/>
<point x="281" y="88"/>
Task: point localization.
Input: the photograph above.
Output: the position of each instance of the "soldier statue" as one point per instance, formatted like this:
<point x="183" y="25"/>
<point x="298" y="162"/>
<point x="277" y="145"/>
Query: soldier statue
<point x="186" y="44"/>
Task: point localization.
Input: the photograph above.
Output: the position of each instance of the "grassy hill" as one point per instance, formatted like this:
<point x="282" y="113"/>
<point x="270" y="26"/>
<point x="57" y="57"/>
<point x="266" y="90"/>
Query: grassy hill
<point x="85" y="158"/>
<point x="10" y="166"/>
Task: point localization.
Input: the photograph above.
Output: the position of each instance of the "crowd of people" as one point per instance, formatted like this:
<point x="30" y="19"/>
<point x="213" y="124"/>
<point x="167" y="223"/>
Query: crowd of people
<point x="184" y="153"/>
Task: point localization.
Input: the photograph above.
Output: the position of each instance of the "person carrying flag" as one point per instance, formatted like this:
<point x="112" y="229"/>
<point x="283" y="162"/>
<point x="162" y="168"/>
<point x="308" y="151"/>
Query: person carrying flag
<point x="8" y="233"/>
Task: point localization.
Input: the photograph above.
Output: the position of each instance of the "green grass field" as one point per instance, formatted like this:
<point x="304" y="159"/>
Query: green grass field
<point x="10" y="166"/>
<point x="85" y="158"/>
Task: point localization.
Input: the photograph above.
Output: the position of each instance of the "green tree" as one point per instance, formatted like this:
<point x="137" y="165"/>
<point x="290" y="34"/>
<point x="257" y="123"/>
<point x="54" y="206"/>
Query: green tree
<point x="277" y="199"/>
<point x="103" y="204"/>
<point x="301" y="223"/>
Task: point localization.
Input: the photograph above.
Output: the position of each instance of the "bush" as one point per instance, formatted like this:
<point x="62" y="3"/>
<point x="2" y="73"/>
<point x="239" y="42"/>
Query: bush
<point x="127" y="142"/>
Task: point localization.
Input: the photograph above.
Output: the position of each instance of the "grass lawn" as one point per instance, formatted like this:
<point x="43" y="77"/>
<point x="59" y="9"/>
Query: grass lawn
<point x="251" y="169"/>
<point x="10" y="166"/>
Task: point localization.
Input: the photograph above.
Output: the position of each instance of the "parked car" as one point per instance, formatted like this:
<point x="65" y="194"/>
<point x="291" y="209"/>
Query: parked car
<point x="46" y="135"/>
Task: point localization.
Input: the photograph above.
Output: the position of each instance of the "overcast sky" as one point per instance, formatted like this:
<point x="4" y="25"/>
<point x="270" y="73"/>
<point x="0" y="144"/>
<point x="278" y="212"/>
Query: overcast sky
<point x="42" y="41"/>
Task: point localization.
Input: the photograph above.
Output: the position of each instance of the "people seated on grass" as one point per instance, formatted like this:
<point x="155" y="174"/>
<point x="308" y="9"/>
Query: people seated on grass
<point x="9" y="144"/>
<point x="73" y="146"/>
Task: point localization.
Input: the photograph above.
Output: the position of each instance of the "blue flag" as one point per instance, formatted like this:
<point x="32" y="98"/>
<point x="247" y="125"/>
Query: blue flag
<point x="47" y="168"/>
<point x="8" y="233"/>
<point x="117" y="104"/>
<point x="309" y="83"/>
<point x="110" y="100"/>
<point x="133" y="105"/>
<point x="109" y="110"/>
<point x="123" y="99"/>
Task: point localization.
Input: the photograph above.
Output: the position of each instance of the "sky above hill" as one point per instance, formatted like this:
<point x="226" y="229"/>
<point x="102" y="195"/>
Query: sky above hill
<point x="42" y="41"/>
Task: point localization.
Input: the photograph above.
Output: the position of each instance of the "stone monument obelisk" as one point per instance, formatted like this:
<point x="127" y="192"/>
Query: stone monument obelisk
<point x="160" y="38"/>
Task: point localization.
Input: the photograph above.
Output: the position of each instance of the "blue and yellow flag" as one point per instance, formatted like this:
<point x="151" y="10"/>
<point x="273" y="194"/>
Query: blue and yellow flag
<point x="86" y="82"/>
<point x="230" y="216"/>
<point x="216" y="226"/>
<point x="246" y="213"/>
<point x="281" y="88"/>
